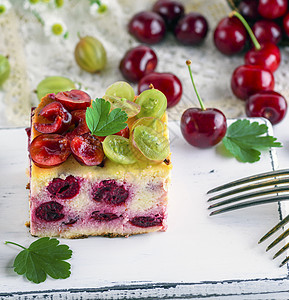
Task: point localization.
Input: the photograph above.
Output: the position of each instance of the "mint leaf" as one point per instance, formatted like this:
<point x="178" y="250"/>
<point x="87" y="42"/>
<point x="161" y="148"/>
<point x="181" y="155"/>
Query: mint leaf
<point x="43" y="257"/>
<point x="101" y="121"/>
<point x="245" y="140"/>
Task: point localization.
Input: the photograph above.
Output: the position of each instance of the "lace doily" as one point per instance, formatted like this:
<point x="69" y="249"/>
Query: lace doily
<point x="34" y="56"/>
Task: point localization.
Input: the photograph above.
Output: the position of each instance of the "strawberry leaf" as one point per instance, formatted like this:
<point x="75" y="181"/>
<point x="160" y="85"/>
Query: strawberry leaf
<point x="245" y="140"/>
<point x="101" y="121"/>
<point x="43" y="257"/>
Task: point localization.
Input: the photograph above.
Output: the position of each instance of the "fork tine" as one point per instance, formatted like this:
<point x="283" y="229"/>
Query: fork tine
<point x="278" y="239"/>
<point x="284" y="261"/>
<point x="250" y="179"/>
<point x="250" y="187"/>
<point x="259" y="201"/>
<point x="274" y="229"/>
<point x="250" y="195"/>
<point x="281" y="250"/>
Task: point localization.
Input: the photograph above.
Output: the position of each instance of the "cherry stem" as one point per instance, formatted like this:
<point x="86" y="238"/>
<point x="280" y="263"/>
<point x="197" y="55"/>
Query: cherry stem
<point x="188" y="62"/>
<point x="248" y="28"/>
<point x="15" y="244"/>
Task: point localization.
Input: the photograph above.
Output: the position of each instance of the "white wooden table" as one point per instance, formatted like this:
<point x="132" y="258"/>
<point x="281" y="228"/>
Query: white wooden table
<point x="199" y="256"/>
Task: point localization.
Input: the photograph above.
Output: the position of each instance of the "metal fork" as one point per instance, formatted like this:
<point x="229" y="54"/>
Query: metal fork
<point x="263" y="188"/>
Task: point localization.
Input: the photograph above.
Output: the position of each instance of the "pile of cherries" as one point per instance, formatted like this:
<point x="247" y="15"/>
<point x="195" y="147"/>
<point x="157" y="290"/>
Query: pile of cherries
<point x="150" y="27"/>
<point x="63" y="131"/>
<point x="138" y="65"/>
<point x="254" y="81"/>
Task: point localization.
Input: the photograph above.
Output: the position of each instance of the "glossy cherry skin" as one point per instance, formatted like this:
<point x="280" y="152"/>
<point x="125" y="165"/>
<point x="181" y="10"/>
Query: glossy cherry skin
<point x="272" y="9"/>
<point x="167" y="83"/>
<point x="148" y="27"/>
<point x="138" y="62"/>
<point x="248" y="80"/>
<point x="268" y="104"/>
<point x="267" y="31"/>
<point x="203" y="128"/>
<point x="191" y="29"/>
<point x="230" y="36"/>
<point x="80" y="126"/>
<point x="268" y="57"/>
<point x="171" y="11"/>
<point x="49" y="150"/>
<point x="286" y="24"/>
<point x="74" y="99"/>
<point x="249" y="9"/>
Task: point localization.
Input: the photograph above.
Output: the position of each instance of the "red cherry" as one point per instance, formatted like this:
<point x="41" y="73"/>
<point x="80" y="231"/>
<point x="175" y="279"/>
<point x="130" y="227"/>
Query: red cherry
<point x="78" y="119"/>
<point x="55" y="112"/>
<point x="124" y="132"/>
<point x="49" y="150"/>
<point x="249" y="9"/>
<point x="268" y="104"/>
<point x="171" y="11"/>
<point x="272" y="9"/>
<point x="248" y="80"/>
<point x="191" y="29"/>
<point x="267" y="31"/>
<point x="138" y="62"/>
<point x="148" y="27"/>
<point x="167" y="83"/>
<point x="203" y="128"/>
<point x="87" y="149"/>
<point x="74" y="99"/>
<point x="286" y="24"/>
<point x="230" y="36"/>
<point x="268" y="57"/>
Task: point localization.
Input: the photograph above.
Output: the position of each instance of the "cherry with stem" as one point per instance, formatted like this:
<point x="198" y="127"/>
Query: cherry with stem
<point x="202" y="127"/>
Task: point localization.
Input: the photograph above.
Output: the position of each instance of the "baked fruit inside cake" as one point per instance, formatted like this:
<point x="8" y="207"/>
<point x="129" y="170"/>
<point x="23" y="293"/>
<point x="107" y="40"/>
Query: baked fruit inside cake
<point x="99" y="167"/>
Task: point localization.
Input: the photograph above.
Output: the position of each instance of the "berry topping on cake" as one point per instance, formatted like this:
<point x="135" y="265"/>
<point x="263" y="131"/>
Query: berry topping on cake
<point x="147" y="221"/>
<point x="74" y="99"/>
<point x="103" y="217"/>
<point x="64" y="188"/>
<point x="49" y="150"/>
<point x="56" y="113"/>
<point x="78" y="119"/>
<point x="110" y="192"/>
<point x="49" y="211"/>
<point x="87" y="149"/>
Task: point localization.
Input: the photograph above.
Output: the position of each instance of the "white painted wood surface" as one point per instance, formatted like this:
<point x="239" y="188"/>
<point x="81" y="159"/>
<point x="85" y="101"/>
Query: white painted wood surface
<point x="199" y="256"/>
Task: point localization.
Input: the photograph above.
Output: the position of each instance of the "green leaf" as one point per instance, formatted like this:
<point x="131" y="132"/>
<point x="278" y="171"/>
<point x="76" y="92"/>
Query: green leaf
<point x="245" y="140"/>
<point x="43" y="257"/>
<point x="101" y="121"/>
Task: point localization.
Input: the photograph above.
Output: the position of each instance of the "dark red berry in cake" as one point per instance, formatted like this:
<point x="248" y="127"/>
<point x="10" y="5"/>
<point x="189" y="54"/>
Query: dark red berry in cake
<point x="71" y="221"/>
<point x="171" y="11"/>
<point x="267" y="31"/>
<point x="249" y="9"/>
<point x="147" y="221"/>
<point x="167" y="83"/>
<point x="248" y="80"/>
<point x="191" y="29"/>
<point x="230" y="36"/>
<point x="110" y="192"/>
<point x="103" y="216"/>
<point x="78" y="119"/>
<point x="272" y="9"/>
<point x="267" y="104"/>
<point x="124" y="132"/>
<point x="267" y="57"/>
<point x="49" y="150"/>
<point x="53" y="118"/>
<point x="87" y="149"/>
<point x="64" y="188"/>
<point x="148" y="27"/>
<point x="49" y="211"/>
<point x="138" y="62"/>
<point x="74" y="99"/>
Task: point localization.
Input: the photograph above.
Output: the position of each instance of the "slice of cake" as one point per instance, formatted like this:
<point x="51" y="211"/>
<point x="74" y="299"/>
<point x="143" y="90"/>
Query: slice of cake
<point x="97" y="171"/>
